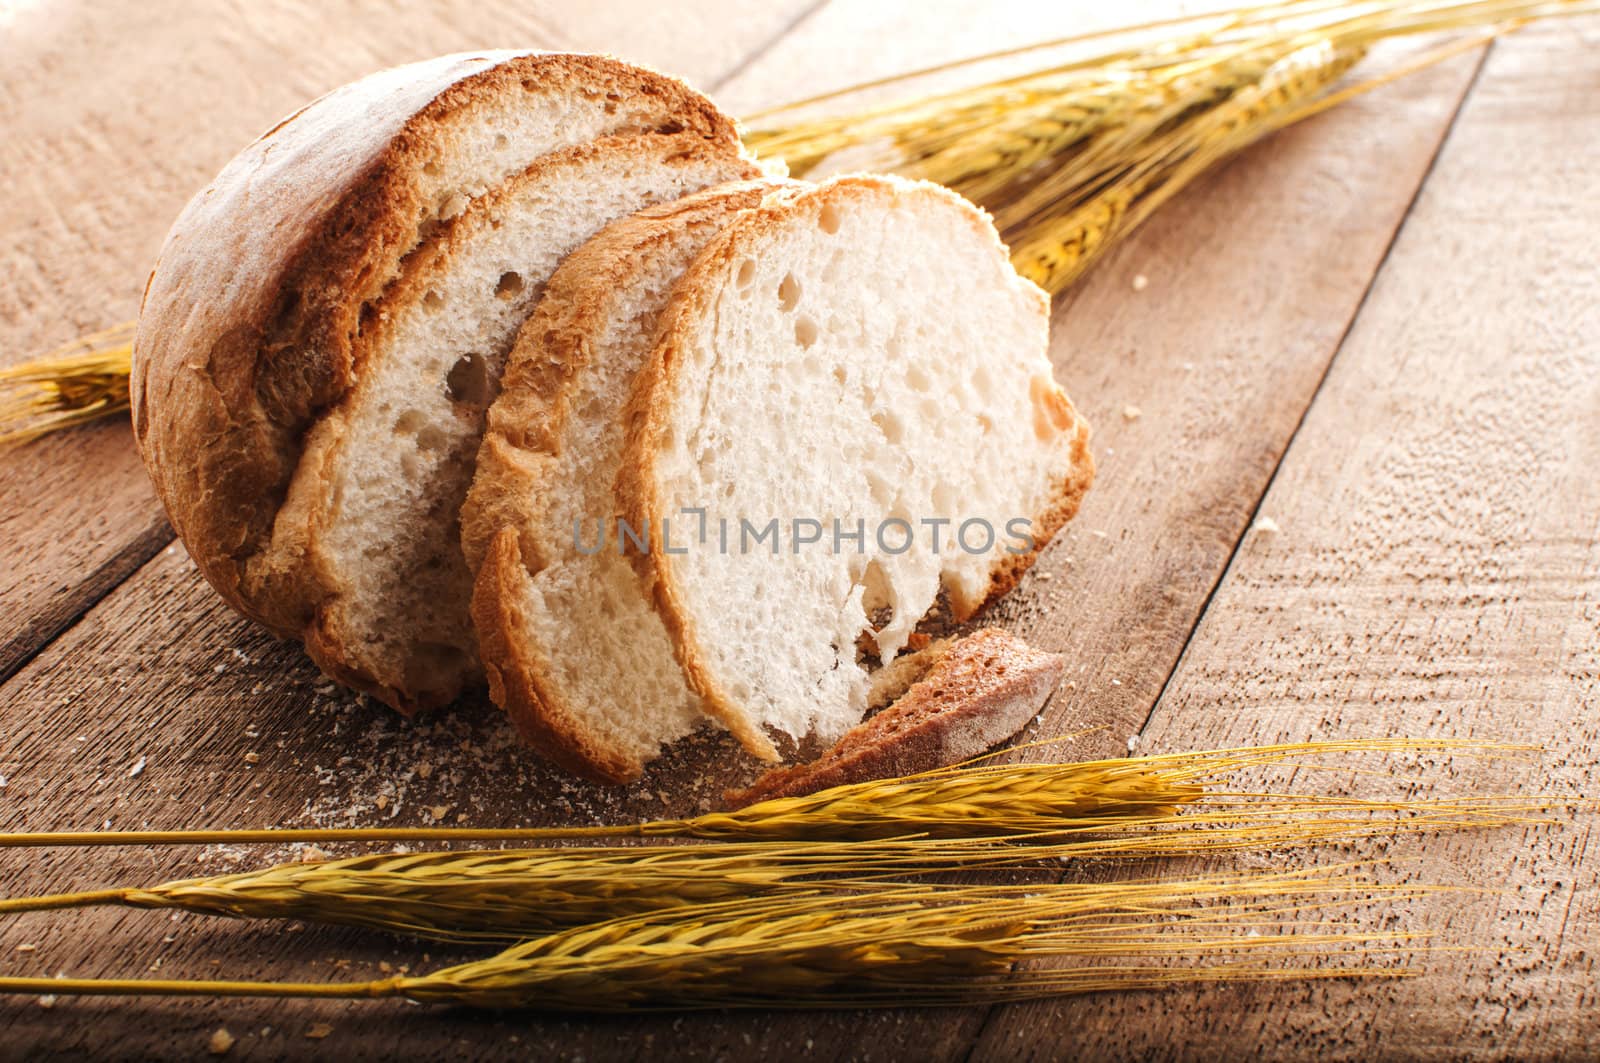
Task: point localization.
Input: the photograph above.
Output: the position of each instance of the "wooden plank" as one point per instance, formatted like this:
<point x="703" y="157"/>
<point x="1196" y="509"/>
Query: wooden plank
<point x="1256" y="274"/>
<point x="1436" y="574"/>
<point x="115" y="116"/>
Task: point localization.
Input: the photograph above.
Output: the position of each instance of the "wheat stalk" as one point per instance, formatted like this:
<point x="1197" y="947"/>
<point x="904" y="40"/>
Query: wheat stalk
<point x="1071" y="158"/>
<point x="903" y="946"/>
<point x="80" y="382"/>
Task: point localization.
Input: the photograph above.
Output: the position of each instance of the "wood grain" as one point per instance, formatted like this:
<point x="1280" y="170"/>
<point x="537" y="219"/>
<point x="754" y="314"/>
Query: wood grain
<point x="1437" y="573"/>
<point x="1253" y="279"/>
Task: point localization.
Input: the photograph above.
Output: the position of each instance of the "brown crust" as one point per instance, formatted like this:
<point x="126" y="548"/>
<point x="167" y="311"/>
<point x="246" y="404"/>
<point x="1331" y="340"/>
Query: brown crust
<point x="980" y="691"/>
<point x="519" y="456"/>
<point x="648" y="422"/>
<point x="251" y="324"/>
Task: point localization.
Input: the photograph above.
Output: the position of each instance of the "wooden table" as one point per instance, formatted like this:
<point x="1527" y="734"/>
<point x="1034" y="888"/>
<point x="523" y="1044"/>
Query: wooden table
<point x="1348" y="435"/>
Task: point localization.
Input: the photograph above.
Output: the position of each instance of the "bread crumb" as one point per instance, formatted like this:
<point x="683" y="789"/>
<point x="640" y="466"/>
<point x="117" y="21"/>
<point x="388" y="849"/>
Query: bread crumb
<point x="382" y="802"/>
<point x="1133" y="743"/>
<point x="310" y="854"/>
<point x="1140" y="282"/>
<point x="137" y="769"/>
<point x="319" y="1031"/>
<point x="438" y="812"/>
<point x="424" y="770"/>
<point x="252" y="758"/>
<point x="27" y="946"/>
<point x="1266" y="525"/>
<point x="1131" y="412"/>
<point x="47" y="1001"/>
<point x="221" y="1041"/>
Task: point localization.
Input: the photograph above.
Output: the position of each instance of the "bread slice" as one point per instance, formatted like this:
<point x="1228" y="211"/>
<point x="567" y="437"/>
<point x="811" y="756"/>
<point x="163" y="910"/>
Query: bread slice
<point x="573" y="648"/>
<point x="975" y="692"/>
<point x="859" y="352"/>
<point x="261" y="320"/>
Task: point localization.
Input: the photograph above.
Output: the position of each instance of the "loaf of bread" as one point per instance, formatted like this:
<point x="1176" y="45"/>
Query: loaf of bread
<point x="428" y="337"/>
<point x="853" y="369"/>
<point x="325" y="326"/>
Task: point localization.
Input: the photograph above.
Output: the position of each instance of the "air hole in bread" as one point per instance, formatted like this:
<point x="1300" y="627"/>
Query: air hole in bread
<point x="917" y="379"/>
<point x="893" y="431"/>
<point x="983" y="384"/>
<point x="432" y="168"/>
<point x="433" y="302"/>
<point x="510" y="284"/>
<point x="670" y="128"/>
<point x="805" y="333"/>
<point x="985" y="423"/>
<point x="431" y="437"/>
<point x="882" y="491"/>
<point x="944" y="501"/>
<point x="840" y="374"/>
<point x="502" y="142"/>
<point x="468" y="381"/>
<point x="410" y="422"/>
<point x="788" y="293"/>
<point x="828" y="218"/>
<point x="746" y="275"/>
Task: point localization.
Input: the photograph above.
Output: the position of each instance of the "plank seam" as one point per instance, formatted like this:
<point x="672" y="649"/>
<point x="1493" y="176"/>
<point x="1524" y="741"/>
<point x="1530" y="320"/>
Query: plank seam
<point x="772" y="42"/>
<point x="116" y="570"/>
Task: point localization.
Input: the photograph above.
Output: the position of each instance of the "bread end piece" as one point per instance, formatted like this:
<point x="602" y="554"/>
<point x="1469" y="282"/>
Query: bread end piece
<point x="979" y="691"/>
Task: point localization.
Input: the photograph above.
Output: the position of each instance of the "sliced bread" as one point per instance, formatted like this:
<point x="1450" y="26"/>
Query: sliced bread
<point x="841" y="375"/>
<point x="573" y="648"/>
<point x="263" y="318"/>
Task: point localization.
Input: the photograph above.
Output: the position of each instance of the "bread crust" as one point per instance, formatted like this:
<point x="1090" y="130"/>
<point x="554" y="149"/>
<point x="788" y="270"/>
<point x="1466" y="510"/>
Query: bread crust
<point x="649" y="413"/>
<point x="982" y="689"/>
<point x="251" y="326"/>
<point x="519" y="458"/>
